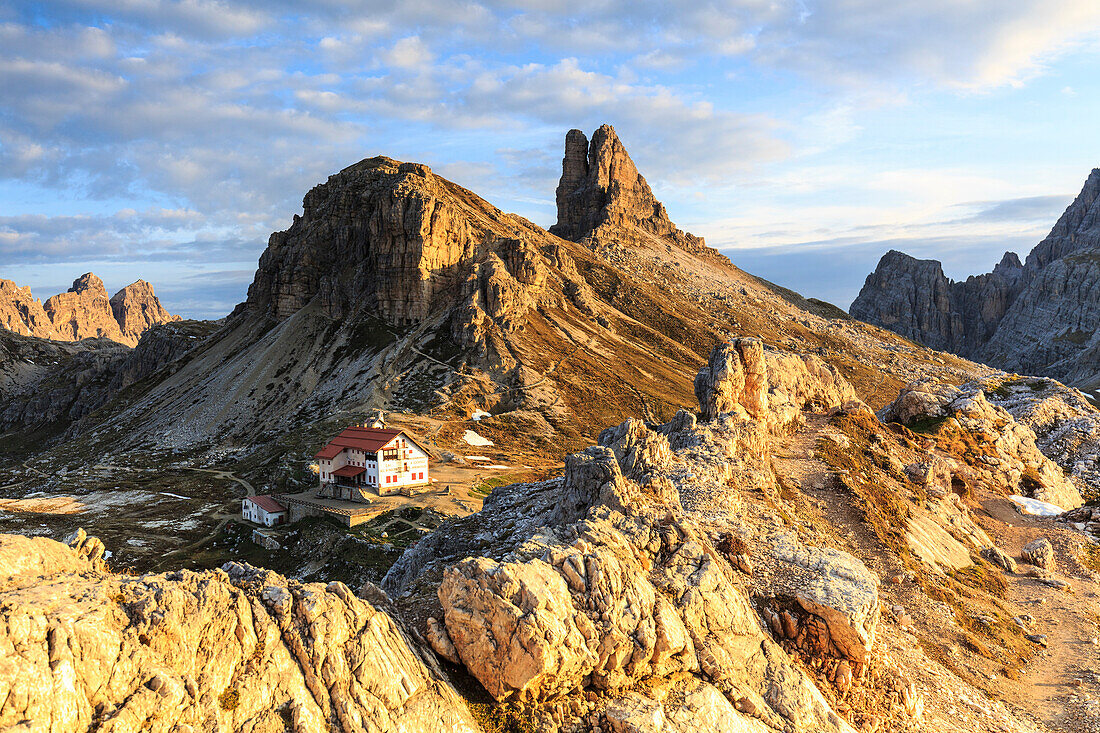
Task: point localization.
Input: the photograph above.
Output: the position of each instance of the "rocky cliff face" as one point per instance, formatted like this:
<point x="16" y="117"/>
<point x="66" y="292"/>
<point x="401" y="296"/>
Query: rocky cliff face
<point x="601" y="195"/>
<point x="83" y="312"/>
<point x="239" y="649"/>
<point x="386" y="238"/>
<point x="1038" y="318"/>
<point x="137" y="309"/>
<point x="22" y="313"/>
<point x="914" y="298"/>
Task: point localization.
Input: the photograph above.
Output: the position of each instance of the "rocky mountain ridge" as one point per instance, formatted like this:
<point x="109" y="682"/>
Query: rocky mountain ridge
<point x="83" y="312"/>
<point x="398" y="289"/>
<point x="1040" y="317"/>
<point x="671" y="580"/>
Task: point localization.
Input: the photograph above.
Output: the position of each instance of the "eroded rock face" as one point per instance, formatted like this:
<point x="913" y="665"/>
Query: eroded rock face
<point x="601" y="192"/>
<point x="239" y="649"/>
<point x="836" y="607"/>
<point x="915" y="299"/>
<point x="600" y="579"/>
<point x="742" y="378"/>
<point x="83" y="312"/>
<point x="397" y="240"/>
<point x="1014" y="459"/>
<point x="137" y="309"/>
<point x="22" y="313"/>
<point x="1066" y="425"/>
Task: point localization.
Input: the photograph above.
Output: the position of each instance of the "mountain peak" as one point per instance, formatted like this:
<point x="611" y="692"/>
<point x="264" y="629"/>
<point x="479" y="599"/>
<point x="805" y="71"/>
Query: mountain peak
<point x="136" y="308"/>
<point x="89" y="282"/>
<point x="601" y="195"/>
<point x="83" y="311"/>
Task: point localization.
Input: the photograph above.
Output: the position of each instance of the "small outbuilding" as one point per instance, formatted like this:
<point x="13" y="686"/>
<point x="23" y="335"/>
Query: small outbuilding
<point x="263" y="510"/>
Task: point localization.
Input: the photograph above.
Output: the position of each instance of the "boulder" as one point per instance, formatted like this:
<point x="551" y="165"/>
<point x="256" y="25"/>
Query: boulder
<point x="1039" y="553"/>
<point x="1000" y="558"/>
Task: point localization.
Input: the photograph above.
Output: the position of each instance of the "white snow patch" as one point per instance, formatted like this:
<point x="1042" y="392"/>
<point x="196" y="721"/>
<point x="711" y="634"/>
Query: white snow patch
<point x="474" y="439"/>
<point x="1036" y="507"/>
<point x="478" y="414"/>
<point x="478" y="458"/>
<point x="174" y="496"/>
<point x="496" y="465"/>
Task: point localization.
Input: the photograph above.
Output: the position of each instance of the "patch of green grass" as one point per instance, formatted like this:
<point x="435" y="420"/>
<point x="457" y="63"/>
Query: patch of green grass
<point x="486" y="485"/>
<point x="1090" y="556"/>
<point x="927" y="425"/>
<point x="229" y="700"/>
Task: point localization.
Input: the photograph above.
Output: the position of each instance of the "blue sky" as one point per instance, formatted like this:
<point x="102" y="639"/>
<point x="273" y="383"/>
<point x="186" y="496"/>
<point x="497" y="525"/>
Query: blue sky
<point x="166" y="140"/>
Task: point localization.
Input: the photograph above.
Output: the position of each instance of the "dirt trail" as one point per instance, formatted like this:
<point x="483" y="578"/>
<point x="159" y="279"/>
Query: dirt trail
<point x="1055" y="684"/>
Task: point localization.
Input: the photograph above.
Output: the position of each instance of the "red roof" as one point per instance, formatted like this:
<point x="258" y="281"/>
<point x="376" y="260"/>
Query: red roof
<point x="369" y="440"/>
<point x="267" y="503"/>
<point x="349" y="471"/>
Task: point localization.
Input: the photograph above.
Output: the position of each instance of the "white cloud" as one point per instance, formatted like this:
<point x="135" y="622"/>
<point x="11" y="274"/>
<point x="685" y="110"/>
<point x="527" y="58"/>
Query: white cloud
<point x="232" y="109"/>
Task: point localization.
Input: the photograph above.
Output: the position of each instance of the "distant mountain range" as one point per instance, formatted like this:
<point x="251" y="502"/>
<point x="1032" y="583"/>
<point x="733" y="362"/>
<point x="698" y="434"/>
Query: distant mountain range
<point x="1037" y="317"/>
<point x="83" y="311"/>
<point x="398" y="289"/>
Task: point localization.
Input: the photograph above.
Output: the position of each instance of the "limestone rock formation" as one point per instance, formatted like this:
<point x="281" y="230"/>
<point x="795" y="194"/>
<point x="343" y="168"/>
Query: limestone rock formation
<point x="915" y="299"/>
<point x="239" y="649"/>
<point x="1014" y="458"/>
<point x="602" y="194"/>
<point x="83" y="312"/>
<point x="1042" y="317"/>
<point x="22" y="313"/>
<point x="742" y="378"/>
<point x="398" y="241"/>
<point x="1066" y="424"/>
<point x="611" y="575"/>
<point x="836" y="607"/>
<point x="137" y="309"/>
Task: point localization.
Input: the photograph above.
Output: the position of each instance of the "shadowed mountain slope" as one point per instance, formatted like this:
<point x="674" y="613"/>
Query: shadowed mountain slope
<point x="1041" y="317"/>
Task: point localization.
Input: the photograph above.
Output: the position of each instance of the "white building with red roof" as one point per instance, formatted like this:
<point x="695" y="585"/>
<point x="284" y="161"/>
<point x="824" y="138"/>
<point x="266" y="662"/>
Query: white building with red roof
<point x="379" y="460"/>
<point x="263" y="510"/>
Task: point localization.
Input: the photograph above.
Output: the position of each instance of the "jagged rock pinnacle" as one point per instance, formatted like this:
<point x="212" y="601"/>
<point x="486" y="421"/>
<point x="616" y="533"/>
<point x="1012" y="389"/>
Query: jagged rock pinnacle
<point x="83" y="311"/>
<point x="601" y="194"/>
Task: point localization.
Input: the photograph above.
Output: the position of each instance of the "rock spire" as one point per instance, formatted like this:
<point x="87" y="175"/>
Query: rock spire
<point x="601" y="195"/>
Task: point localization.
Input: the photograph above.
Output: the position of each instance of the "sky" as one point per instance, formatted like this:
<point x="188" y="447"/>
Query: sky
<point x="166" y="140"/>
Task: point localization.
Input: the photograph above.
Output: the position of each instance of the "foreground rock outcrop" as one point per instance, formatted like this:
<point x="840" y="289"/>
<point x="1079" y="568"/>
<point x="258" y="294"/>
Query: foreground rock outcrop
<point x="1041" y="317"/>
<point x="1008" y="448"/>
<point x="239" y="649"/>
<point x="83" y="312"/>
<point x="614" y="574"/>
